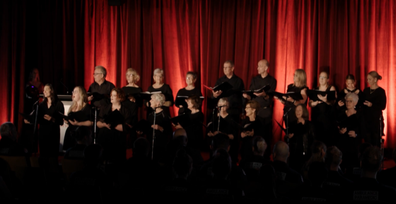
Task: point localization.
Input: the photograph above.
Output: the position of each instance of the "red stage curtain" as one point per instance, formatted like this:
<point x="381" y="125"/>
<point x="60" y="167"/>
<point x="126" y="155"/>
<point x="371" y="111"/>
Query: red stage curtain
<point x="349" y="37"/>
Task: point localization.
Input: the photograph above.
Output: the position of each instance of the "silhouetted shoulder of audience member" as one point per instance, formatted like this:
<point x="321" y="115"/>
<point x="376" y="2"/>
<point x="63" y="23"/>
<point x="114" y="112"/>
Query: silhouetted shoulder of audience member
<point x="318" y="154"/>
<point x="312" y="190"/>
<point x="91" y="184"/>
<point x="356" y="172"/>
<point x="287" y="179"/>
<point x="237" y="175"/>
<point x="388" y="176"/>
<point x="252" y="164"/>
<point x="367" y="188"/>
<point x="77" y="151"/>
<point x="180" y="189"/>
<point x="336" y="183"/>
<point x="10" y="186"/>
<point x="8" y="142"/>
<point x="220" y="188"/>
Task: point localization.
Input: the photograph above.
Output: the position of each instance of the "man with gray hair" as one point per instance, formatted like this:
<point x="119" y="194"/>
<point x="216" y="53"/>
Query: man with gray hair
<point x="100" y="89"/>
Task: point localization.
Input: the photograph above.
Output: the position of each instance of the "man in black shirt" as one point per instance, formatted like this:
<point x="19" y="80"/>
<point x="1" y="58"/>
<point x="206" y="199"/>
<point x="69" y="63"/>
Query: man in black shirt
<point x="100" y="89"/>
<point x="234" y="94"/>
<point x="266" y="101"/>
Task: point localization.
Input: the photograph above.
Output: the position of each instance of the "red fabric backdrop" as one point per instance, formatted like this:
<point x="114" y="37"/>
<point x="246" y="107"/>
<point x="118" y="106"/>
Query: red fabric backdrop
<point x="66" y="39"/>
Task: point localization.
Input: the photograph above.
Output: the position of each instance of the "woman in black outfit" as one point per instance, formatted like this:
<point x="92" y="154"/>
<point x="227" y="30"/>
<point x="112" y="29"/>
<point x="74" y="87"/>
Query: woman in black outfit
<point x="300" y="138"/>
<point x="351" y="129"/>
<point x="374" y="103"/>
<point x="194" y="125"/>
<point x="189" y="90"/>
<point x="160" y="125"/>
<point x="79" y="117"/>
<point x="350" y="87"/>
<point x="49" y="120"/>
<point x="299" y="86"/>
<point x="252" y="125"/>
<point x="114" y="122"/>
<point x="133" y="101"/>
<point x="323" y="112"/>
<point x="165" y="89"/>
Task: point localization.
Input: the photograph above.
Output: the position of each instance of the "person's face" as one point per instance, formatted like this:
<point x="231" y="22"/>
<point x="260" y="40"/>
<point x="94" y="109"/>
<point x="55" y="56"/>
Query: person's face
<point x="350" y="84"/>
<point x="249" y="110"/>
<point x="189" y="104"/>
<point x="153" y="102"/>
<point x="349" y="103"/>
<point x="261" y="67"/>
<point x="223" y="105"/>
<point x="371" y="80"/>
<point x="35" y="74"/>
<point x="299" y="112"/>
<point x="98" y="75"/>
<point x="190" y="79"/>
<point x="113" y="97"/>
<point x="296" y="78"/>
<point x="47" y="91"/>
<point x="158" y="78"/>
<point x="228" y="69"/>
<point x="76" y="94"/>
<point x="130" y="77"/>
<point x="323" y="78"/>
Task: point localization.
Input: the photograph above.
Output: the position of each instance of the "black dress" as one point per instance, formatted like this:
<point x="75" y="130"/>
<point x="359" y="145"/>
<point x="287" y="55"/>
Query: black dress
<point x="323" y="117"/>
<point x="289" y="107"/>
<point x="114" y="141"/>
<point x="194" y="130"/>
<point x="82" y="115"/>
<point x="300" y="143"/>
<point x="260" y="127"/>
<point x="184" y="92"/>
<point x="134" y="109"/>
<point x="349" y="146"/>
<point x="161" y="139"/>
<point x="49" y="131"/>
<point x="374" y="121"/>
<point x="167" y="91"/>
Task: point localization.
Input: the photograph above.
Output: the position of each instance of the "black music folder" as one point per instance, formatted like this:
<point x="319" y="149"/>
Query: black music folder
<point x="29" y="117"/>
<point x="182" y="119"/>
<point x="181" y="100"/>
<point x="313" y="95"/>
<point x="146" y="95"/>
<point x="293" y="95"/>
<point x="264" y="88"/>
<point x="114" y="118"/>
<point x="225" y="86"/>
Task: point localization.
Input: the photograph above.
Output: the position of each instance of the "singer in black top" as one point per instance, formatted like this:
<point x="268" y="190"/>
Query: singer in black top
<point x="133" y="100"/>
<point x="189" y="90"/>
<point x="114" y="122"/>
<point x="99" y="90"/>
<point x="234" y="95"/>
<point x="79" y="117"/>
<point x="160" y="126"/>
<point x="32" y="90"/>
<point x="194" y="125"/>
<point x="252" y="125"/>
<point x="373" y="105"/>
<point x="298" y="86"/>
<point x="351" y="129"/>
<point x="300" y="137"/>
<point x="350" y="87"/>
<point x="50" y="120"/>
<point x="223" y="122"/>
<point x="165" y="89"/>
<point x="323" y="112"/>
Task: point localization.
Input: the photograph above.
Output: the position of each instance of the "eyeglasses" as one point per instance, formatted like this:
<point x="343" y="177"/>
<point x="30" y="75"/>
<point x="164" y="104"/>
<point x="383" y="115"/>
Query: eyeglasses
<point x="96" y="74"/>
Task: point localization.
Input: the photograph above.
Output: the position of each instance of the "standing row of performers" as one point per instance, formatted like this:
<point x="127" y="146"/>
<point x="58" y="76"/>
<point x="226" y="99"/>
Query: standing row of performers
<point x="343" y="118"/>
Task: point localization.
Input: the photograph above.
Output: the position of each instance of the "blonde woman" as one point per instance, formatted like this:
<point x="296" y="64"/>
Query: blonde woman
<point x="79" y="120"/>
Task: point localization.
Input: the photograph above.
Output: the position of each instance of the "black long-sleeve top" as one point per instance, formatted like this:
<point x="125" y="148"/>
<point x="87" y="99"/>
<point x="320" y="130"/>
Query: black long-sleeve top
<point x="373" y="114"/>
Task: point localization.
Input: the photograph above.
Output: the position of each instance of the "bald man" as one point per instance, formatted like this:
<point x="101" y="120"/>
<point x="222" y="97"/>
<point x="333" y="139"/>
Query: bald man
<point x="266" y="101"/>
